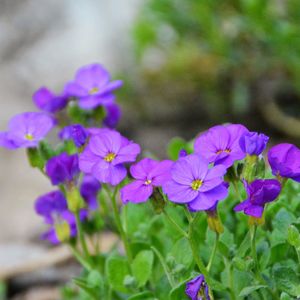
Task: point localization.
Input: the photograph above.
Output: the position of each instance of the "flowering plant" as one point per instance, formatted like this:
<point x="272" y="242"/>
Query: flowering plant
<point x="210" y="222"/>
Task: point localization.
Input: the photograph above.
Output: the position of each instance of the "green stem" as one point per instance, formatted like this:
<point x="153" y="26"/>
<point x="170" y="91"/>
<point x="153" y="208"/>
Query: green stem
<point x="175" y="225"/>
<point x="298" y="254"/>
<point x="213" y="254"/>
<point x="237" y="192"/>
<point x="194" y="249"/>
<point x="81" y="236"/>
<point x="230" y="278"/>
<point x="259" y="277"/>
<point x="164" y="265"/>
<point x="80" y="259"/>
<point x="119" y="224"/>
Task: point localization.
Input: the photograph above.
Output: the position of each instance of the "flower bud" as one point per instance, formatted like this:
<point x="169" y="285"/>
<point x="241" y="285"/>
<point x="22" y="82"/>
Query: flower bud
<point x="63" y="231"/>
<point x="74" y="199"/>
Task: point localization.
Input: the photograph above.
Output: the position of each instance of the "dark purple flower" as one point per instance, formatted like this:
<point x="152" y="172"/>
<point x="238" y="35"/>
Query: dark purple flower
<point x="253" y="143"/>
<point x="148" y="173"/>
<point x="259" y="192"/>
<point x="89" y="191"/>
<point x="92" y="86"/>
<point x="26" y="130"/>
<point x="75" y="132"/>
<point x="53" y="208"/>
<point x="220" y="144"/>
<point x="62" y="168"/>
<point x="182" y="153"/>
<point x="50" y="204"/>
<point x="105" y="155"/>
<point x="113" y="115"/>
<point x="284" y="160"/>
<point x="45" y="100"/>
<point x="197" y="289"/>
<point x="195" y="184"/>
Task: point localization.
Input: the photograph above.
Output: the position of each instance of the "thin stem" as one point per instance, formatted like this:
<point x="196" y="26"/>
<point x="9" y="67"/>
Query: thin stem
<point x="175" y="225"/>
<point x="259" y="277"/>
<point x="194" y="249"/>
<point x="230" y="275"/>
<point x="164" y="265"/>
<point x="119" y="224"/>
<point x="298" y="254"/>
<point x="213" y="254"/>
<point x="80" y="259"/>
<point x="81" y="236"/>
<point x="237" y="192"/>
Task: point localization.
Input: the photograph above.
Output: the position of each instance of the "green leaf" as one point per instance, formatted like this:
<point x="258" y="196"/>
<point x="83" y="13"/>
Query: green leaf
<point x="293" y="236"/>
<point x="285" y="296"/>
<point x="286" y="280"/>
<point x="250" y="289"/>
<point x="142" y="296"/>
<point x="142" y="266"/>
<point x="178" y="292"/>
<point x="116" y="269"/>
<point x="175" y="145"/>
<point x="82" y="283"/>
<point x="182" y="252"/>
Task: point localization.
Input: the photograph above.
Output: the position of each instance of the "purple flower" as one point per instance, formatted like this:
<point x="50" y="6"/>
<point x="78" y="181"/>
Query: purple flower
<point x="284" y="160"/>
<point x="259" y="192"/>
<point x="182" y="153"/>
<point x="45" y="100"/>
<point x="92" y="86"/>
<point x="113" y="115"/>
<point x="89" y="191"/>
<point x="197" y="289"/>
<point x="26" y="130"/>
<point x="253" y="143"/>
<point x="53" y="208"/>
<point x="105" y="155"/>
<point x="75" y="132"/>
<point x="62" y="168"/>
<point x="220" y="144"/>
<point x="148" y="174"/>
<point x="195" y="184"/>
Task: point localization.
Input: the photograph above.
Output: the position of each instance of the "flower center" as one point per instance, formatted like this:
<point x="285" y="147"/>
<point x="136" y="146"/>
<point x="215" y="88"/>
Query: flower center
<point x="110" y="157"/>
<point x="93" y="90"/>
<point x="221" y="151"/>
<point x="148" y="181"/>
<point x="29" y="137"/>
<point x="196" y="184"/>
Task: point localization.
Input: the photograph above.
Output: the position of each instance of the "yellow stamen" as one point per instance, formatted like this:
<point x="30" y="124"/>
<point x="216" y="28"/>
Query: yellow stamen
<point x="110" y="157"/>
<point x="148" y="181"/>
<point x="93" y="90"/>
<point x="29" y="137"/>
<point x="196" y="184"/>
<point x="226" y="151"/>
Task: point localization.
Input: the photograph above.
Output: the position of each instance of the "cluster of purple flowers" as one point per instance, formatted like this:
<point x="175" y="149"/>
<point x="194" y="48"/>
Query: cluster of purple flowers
<point x="100" y="156"/>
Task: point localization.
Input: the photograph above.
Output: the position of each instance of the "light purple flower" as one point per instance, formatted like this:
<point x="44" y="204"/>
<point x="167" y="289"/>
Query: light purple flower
<point x="113" y="115"/>
<point x="259" y="193"/>
<point x="75" y="132"/>
<point x="220" y="144"/>
<point x="62" y="168"/>
<point x="92" y="86"/>
<point x="196" y="184"/>
<point x="197" y="289"/>
<point x="105" y="155"/>
<point x="284" y="160"/>
<point x="47" y="101"/>
<point x="89" y="190"/>
<point x="53" y="208"/>
<point x="26" y="130"/>
<point x="253" y="143"/>
<point x="148" y="174"/>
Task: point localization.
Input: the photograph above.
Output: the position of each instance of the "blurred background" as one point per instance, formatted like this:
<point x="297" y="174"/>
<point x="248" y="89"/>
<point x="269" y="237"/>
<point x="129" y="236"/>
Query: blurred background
<point x="186" y="64"/>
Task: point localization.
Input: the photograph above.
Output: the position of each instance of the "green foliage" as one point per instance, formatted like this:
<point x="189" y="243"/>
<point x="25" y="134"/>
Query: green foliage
<point x="142" y="267"/>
